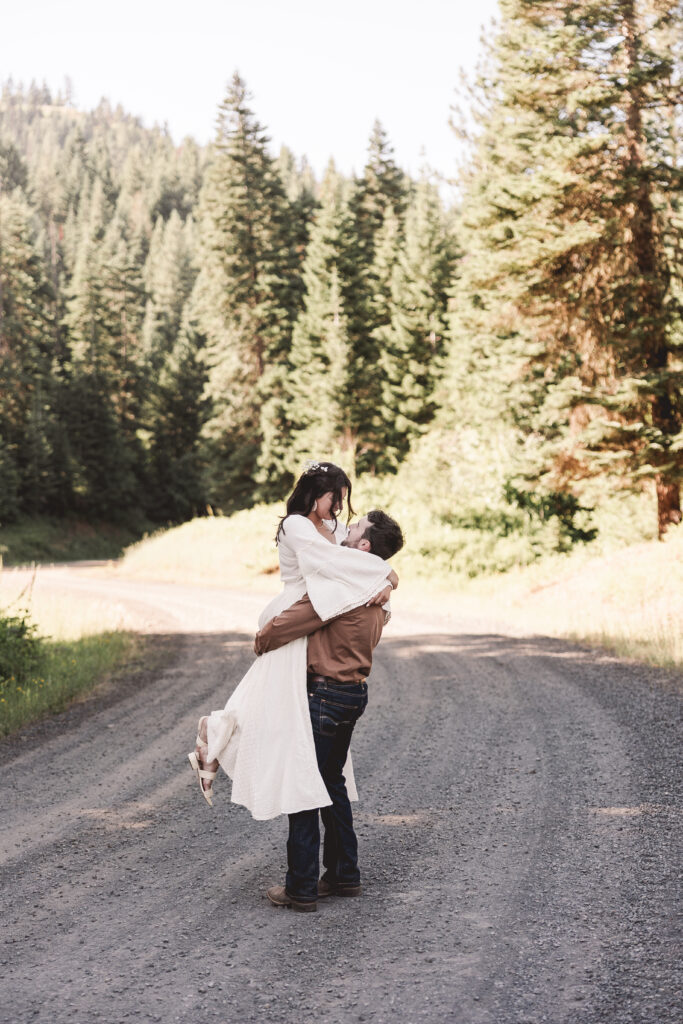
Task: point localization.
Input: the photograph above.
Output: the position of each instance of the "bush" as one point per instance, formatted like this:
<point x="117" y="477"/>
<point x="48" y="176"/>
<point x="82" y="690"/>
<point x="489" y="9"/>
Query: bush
<point x="21" y="650"/>
<point x="40" y="676"/>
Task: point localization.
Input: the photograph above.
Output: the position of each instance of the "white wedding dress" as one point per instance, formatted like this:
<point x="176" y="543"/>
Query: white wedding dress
<point x="263" y="737"/>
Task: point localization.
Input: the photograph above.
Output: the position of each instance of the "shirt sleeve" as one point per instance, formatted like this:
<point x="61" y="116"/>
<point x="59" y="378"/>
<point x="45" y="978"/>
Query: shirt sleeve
<point x="298" y="620"/>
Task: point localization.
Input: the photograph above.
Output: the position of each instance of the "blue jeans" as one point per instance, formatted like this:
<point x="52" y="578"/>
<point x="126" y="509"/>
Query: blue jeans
<point x="335" y="708"/>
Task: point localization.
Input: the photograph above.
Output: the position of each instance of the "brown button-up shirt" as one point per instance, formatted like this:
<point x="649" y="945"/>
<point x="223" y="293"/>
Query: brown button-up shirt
<point x="340" y="648"/>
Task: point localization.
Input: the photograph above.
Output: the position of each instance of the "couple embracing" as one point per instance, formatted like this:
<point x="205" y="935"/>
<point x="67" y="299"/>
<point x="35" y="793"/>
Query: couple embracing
<point x="284" y="734"/>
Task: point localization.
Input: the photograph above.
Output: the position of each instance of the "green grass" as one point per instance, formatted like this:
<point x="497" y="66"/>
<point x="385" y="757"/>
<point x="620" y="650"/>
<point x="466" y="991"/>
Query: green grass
<point x="62" y="671"/>
<point x="44" y="539"/>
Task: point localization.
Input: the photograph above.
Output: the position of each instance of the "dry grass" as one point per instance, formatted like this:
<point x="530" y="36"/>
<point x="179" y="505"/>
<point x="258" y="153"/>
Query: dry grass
<point x="57" y="617"/>
<point x="237" y="551"/>
<point x="629" y="601"/>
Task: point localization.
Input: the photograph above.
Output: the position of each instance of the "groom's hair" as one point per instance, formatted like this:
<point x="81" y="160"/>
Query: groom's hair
<point x="384" y="534"/>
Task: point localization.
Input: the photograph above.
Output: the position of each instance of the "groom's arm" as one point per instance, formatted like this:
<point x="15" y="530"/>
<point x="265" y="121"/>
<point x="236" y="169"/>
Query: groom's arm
<point x="298" y="620"/>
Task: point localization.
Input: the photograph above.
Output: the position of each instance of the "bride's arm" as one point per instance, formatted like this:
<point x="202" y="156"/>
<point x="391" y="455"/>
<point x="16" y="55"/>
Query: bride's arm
<point x="337" y="578"/>
<point x="340" y="534"/>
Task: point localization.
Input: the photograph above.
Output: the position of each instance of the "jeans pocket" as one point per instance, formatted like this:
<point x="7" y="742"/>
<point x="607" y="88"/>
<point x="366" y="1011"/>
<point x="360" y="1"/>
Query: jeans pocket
<point x="333" y="713"/>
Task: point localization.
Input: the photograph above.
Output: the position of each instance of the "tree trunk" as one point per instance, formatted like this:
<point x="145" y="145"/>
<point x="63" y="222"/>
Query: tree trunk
<point x="653" y="275"/>
<point x="668" y="503"/>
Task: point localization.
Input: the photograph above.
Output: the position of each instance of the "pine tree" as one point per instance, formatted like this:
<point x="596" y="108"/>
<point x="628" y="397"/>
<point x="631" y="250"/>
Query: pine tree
<point x="317" y="415"/>
<point x="300" y="188"/>
<point x="104" y="320"/>
<point x="177" y="483"/>
<point x="26" y="356"/>
<point x="246" y="296"/>
<point x="168" y="280"/>
<point x="567" y="298"/>
<point x="176" y="377"/>
<point x="378" y="206"/>
<point x="382" y="188"/>
<point x="412" y="337"/>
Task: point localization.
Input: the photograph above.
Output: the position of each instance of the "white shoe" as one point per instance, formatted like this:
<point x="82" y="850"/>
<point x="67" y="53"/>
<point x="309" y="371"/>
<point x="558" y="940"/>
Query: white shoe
<point x="201" y="773"/>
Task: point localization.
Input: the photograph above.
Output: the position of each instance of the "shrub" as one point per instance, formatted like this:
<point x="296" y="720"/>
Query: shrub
<point x="21" y="650"/>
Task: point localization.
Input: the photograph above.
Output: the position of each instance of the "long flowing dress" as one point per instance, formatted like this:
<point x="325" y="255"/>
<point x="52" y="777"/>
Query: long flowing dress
<point x="263" y="738"/>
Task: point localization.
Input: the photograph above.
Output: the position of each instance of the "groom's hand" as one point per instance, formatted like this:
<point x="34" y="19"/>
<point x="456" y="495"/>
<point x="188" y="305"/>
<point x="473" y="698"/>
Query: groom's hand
<point x="382" y="597"/>
<point x="257" y="644"/>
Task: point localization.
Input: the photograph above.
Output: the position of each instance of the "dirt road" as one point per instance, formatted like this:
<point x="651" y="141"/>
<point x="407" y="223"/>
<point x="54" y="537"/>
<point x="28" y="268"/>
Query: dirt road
<point x="518" y="825"/>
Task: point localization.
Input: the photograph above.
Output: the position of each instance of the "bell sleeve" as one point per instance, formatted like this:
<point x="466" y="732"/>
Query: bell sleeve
<point x="337" y="578"/>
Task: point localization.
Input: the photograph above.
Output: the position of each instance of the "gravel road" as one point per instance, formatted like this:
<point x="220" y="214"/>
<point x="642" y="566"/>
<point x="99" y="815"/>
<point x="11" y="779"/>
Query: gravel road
<point x="519" y="825"/>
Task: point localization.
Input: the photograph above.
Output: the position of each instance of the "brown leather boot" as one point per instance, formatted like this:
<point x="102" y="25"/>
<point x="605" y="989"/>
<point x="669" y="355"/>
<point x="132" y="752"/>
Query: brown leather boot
<point x="277" y="894"/>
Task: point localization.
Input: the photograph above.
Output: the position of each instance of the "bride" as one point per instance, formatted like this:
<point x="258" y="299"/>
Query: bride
<point x="263" y="737"/>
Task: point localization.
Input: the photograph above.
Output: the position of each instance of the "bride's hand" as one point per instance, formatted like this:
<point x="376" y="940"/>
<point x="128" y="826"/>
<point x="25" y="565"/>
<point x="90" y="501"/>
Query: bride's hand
<point x="393" y="579"/>
<point x="382" y="597"/>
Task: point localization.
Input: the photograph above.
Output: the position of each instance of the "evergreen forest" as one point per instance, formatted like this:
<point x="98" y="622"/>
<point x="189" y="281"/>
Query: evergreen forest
<point x="182" y="326"/>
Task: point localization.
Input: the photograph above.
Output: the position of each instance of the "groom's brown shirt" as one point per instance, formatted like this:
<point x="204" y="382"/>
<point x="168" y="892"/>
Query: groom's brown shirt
<point x="340" y="648"/>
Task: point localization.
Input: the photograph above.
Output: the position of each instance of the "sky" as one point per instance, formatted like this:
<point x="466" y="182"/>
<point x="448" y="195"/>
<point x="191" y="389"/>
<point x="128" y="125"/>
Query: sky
<point x="320" y="73"/>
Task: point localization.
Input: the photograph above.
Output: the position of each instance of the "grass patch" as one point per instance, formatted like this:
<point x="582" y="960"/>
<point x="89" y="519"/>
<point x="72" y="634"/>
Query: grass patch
<point x="43" y="539"/>
<point x="53" y="672"/>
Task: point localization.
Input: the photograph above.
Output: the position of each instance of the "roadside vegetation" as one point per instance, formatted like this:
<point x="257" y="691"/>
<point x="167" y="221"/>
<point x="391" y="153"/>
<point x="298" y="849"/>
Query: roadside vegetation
<point x="234" y="551"/>
<point x="628" y="601"/>
<point x="40" y="676"/>
<point x="51" y="539"/>
<point x="52" y="652"/>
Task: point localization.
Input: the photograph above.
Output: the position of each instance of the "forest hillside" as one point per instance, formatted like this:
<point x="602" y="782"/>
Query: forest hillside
<point x="182" y="326"/>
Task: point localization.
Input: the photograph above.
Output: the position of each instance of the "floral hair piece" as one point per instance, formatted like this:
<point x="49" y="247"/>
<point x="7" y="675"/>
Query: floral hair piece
<point x="311" y="467"/>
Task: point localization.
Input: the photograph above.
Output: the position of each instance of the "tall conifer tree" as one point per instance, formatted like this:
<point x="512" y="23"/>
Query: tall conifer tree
<point x="378" y="206"/>
<point x="412" y="338"/>
<point x="178" y="411"/>
<point x="318" y="412"/>
<point x="570" y="291"/>
<point x="26" y="358"/>
<point x="169" y="276"/>
<point x="247" y="295"/>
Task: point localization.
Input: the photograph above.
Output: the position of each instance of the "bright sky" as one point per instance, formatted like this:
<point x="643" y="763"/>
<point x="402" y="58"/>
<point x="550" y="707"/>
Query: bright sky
<point x="320" y="73"/>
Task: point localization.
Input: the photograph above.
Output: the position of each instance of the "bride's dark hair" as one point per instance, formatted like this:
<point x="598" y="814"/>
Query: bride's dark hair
<point x="315" y="481"/>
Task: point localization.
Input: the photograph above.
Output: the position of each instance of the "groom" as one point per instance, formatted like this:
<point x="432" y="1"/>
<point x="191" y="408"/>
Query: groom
<point x="339" y="659"/>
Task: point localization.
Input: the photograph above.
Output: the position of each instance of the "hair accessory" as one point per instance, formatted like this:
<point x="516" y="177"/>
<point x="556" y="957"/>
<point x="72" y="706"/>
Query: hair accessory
<point x="311" y="467"/>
